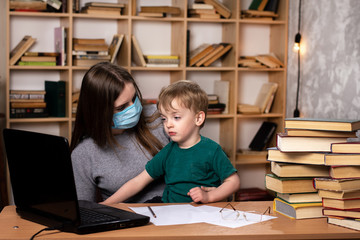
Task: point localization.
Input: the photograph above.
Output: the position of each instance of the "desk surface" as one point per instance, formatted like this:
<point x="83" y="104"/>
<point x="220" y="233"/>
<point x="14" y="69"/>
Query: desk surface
<point x="279" y="228"/>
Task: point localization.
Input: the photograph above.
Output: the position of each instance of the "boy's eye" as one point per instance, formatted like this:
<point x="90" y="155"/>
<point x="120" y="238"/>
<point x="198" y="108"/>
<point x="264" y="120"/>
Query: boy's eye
<point x="177" y="118"/>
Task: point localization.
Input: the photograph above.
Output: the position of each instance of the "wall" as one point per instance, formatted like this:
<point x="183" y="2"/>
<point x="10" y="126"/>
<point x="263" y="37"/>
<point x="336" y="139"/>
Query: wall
<point x="330" y="72"/>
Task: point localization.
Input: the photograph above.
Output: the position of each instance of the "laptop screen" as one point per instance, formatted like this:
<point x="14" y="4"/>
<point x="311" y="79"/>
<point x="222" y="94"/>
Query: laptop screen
<point x="41" y="174"/>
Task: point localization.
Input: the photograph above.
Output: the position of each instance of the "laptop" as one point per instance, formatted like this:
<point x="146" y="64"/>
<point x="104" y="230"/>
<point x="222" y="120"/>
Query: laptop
<point x="44" y="190"/>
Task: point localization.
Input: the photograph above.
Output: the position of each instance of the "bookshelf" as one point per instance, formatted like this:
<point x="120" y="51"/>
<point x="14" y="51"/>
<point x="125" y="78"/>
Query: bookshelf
<point x="248" y="36"/>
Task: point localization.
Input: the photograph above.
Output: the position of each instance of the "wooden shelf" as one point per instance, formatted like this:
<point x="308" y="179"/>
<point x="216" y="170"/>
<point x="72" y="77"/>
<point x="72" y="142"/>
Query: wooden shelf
<point x="227" y="69"/>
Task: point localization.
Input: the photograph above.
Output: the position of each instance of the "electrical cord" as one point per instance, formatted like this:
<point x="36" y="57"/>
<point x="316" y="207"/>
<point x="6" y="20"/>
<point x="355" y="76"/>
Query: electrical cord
<point x="45" y="229"/>
<point x="298" y="35"/>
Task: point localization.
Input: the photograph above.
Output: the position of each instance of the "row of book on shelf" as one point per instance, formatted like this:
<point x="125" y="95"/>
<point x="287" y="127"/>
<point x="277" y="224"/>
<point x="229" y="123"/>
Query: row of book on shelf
<point x="315" y="170"/>
<point x="86" y="51"/>
<point x="50" y="102"/>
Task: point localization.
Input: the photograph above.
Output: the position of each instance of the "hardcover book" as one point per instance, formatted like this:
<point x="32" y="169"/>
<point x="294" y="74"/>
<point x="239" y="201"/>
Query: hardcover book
<point x="323" y="124"/>
<point x="137" y="54"/>
<point x="55" y="98"/>
<point x="345" y="222"/>
<point x="299" y="170"/>
<point x="345" y="147"/>
<point x="289" y="184"/>
<point x="21" y="48"/>
<point x="333" y="159"/>
<point x="336" y="184"/>
<point x="345" y="171"/>
<point x="115" y="46"/>
<point x="263" y="136"/>
<point x="300" y="197"/>
<point x="276" y="155"/>
<point x="344" y="194"/>
<point x="298" y="210"/>
<point x="344" y="204"/>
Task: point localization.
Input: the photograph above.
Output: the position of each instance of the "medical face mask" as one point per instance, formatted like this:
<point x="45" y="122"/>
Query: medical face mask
<point x="129" y="117"/>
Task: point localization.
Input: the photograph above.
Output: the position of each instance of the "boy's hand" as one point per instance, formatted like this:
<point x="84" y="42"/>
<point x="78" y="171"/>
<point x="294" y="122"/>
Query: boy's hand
<point x="198" y="194"/>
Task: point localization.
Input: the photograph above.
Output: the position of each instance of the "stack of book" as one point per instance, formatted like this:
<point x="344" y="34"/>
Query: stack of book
<point x="162" y="60"/>
<point x="158" y="11"/>
<point x="89" y="51"/>
<point x="341" y="192"/>
<point x="301" y="154"/>
<point x="27" y="104"/>
<point x="260" y="61"/>
<point x="202" y="10"/>
<point x="39" y="59"/>
<point x="220" y="9"/>
<point x="103" y="8"/>
<point x="261" y="10"/>
<point x="206" y="54"/>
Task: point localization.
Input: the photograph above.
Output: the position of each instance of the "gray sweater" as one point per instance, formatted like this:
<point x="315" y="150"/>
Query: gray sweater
<point x="109" y="170"/>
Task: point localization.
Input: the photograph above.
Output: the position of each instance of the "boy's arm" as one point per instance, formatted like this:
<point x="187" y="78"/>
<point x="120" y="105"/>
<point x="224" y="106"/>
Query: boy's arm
<point x="130" y="188"/>
<point x="230" y="185"/>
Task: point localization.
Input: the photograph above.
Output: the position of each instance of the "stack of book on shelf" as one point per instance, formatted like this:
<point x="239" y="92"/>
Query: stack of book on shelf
<point x="261" y="10"/>
<point x="206" y="54"/>
<point x="215" y="106"/>
<point x="260" y="61"/>
<point x="18" y="51"/>
<point x="39" y="59"/>
<point x="219" y="7"/>
<point x="103" y="8"/>
<point x="341" y="191"/>
<point x="264" y="100"/>
<point x="300" y="156"/>
<point x="162" y="60"/>
<point x="203" y="10"/>
<point x="89" y="51"/>
<point x="27" y="104"/>
<point x="158" y="11"/>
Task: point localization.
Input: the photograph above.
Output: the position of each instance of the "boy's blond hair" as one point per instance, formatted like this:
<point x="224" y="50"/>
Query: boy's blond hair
<point x="188" y="93"/>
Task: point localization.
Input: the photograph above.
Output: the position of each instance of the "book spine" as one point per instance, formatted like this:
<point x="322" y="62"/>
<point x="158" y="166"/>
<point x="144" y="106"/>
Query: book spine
<point x="55" y="98"/>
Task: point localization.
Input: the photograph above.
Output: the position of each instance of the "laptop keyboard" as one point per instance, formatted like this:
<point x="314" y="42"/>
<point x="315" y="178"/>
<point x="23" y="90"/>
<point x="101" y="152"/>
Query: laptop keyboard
<point x="89" y="216"/>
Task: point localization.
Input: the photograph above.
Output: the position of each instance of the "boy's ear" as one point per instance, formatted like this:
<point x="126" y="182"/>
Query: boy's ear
<point x="200" y="118"/>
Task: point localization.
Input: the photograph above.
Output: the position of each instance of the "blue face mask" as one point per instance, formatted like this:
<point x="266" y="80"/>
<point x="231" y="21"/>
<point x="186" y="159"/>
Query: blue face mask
<point x="128" y="117"/>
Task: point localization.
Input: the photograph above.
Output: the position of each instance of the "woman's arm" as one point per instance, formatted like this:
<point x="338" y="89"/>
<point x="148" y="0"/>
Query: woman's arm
<point x="130" y="188"/>
<point x="230" y="185"/>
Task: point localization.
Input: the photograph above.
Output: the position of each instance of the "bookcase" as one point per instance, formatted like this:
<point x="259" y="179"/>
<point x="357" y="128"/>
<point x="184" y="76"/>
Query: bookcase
<point x="168" y="35"/>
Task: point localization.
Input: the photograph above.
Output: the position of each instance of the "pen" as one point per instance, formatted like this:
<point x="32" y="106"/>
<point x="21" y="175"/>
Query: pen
<point x="152" y="212"/>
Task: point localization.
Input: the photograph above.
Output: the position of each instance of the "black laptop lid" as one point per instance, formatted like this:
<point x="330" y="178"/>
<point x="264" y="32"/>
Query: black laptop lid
<point x="41" y="175"/>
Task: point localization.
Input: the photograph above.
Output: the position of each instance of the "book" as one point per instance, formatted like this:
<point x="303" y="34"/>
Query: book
<point x="216" y="48"/>
<point x="90" y="47"/>
<point x="322" y="124"/>
<point x="247" y="108"/>
<point x="93" y="56"/>
<point x="32" y="104"/>
<point x="16" y="53"/>
<point x="28" y="112"/>
<point x="220" y="8"/>
<point x="87" y="62"/>
<point x="222" y="89"/>
<point x="345" y="147"/>
<point x="336" y="184"/>
<point x="60" y="35"/>
<point x="272" y="6"/>
<point x="299" y="170"/>
<point x="137" y="54"/>
<point x="26" y="94"/>
<point x="269" y="61"/>
<point x="101" y="10"/>
<point x="55" y="98"/>
<point x="160" y="9"/>
<point x="105" y="4"/>
<point x="218" y="55"/>
<point x="254" y="5"/>
<point x="89" y="41"/>
<point x="344" y="194"/>
<point x="115" y="46"/>
<point x="263" y="98"/>
<point x="287" y="143"/>
<point x="252" y="194"/>
<point x="318" y="133"/>
<point x="51" y="54"/>
<point x="333" y="159"/>
<point x="345" y="171"/>
<point x="262" y="5"/>
<point x="289" y="184"/>
<point x="38" y="59"/>
<point x="34" y="63"/>
<point x="152" y="14"/>
<point x="27" y="5"/>
<point x="298" y="210"/>
<point x="205" y="15"/>
<point x="299" y="197"/>
<point x="345" y="222"/>
<point x="202" y="6"/>
<point x="341" y="213"/>
<point x="315" y="158"/>
<point x="200" y="52"/>
<point x="344" y="204"/>
<point x="263" y="136"/>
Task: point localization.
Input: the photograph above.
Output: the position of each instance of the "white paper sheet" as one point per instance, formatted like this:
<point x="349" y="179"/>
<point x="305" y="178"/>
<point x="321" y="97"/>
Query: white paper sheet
<point x="187" y="214"/>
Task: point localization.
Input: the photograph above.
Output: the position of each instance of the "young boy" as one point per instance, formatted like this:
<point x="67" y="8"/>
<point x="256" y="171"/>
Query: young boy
<point x="194" y="167"/>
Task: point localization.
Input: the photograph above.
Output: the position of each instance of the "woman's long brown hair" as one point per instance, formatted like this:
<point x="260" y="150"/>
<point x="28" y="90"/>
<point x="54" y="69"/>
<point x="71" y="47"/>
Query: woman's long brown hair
<point x="101" y="86"/>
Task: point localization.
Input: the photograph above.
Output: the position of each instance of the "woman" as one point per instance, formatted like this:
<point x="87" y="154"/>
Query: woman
<point x="114" y="136"/>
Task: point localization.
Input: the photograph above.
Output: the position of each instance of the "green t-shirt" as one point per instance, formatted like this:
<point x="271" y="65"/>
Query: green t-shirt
<point x="204" y="164"/>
